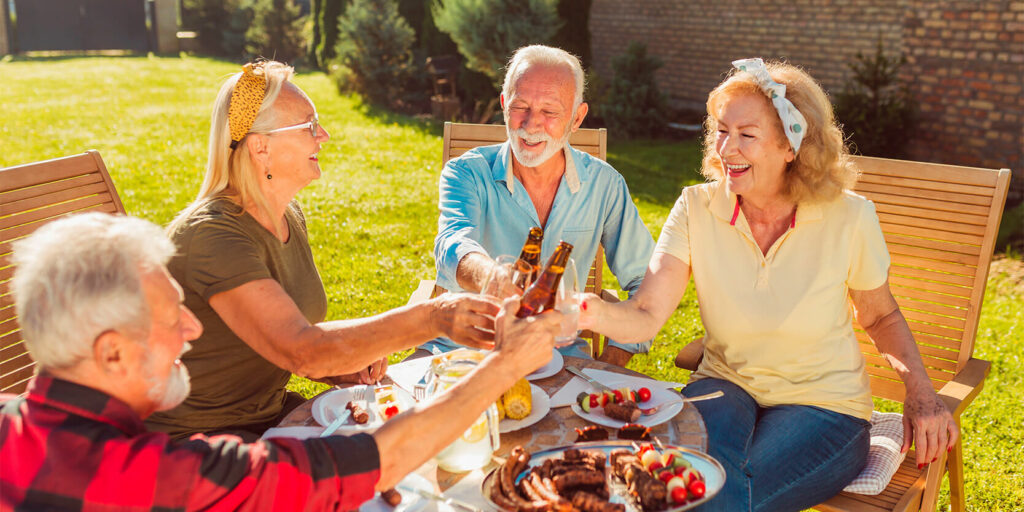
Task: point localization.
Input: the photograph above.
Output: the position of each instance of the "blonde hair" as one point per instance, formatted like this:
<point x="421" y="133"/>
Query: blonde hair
<point x="822" y="169"/>
<point x="229" y="172"/>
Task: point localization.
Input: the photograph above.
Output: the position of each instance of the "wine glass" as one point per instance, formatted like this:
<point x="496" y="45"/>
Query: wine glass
<point x="501" y="279"/>
<point x="567" y="302"/>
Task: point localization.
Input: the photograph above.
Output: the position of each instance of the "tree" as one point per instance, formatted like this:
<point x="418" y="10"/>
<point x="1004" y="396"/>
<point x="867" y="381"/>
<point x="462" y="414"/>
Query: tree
<point x="330" y="13"/>
<point x="276" y="30"/>
<point x="634" y="105"/>
<point x="877" y="112"/>
<point x="488" y="31"/>
<point x="374" y="51"/>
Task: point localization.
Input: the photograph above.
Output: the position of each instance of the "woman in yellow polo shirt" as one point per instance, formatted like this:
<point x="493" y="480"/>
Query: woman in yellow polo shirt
<point x="776" y="242"/>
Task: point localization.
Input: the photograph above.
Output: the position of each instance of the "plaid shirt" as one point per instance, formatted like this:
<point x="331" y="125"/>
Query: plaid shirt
<point x="69" y="447"/>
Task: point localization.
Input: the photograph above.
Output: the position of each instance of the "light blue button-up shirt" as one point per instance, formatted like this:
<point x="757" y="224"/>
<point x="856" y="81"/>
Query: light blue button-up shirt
<point x="486" y="209"/>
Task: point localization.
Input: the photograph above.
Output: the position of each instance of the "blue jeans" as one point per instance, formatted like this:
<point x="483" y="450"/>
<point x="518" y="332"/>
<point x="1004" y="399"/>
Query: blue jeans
<point x="788" y="457"/>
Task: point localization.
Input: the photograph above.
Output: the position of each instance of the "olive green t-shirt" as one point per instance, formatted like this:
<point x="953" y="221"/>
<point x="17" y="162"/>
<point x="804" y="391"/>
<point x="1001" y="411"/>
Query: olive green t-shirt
<point x="219" y="250"/>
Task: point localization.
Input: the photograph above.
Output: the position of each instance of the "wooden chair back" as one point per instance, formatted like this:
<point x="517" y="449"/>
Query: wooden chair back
<point x="940" y="224"/>
<point x="32" y="195"/>
<point x="462" y="137"/>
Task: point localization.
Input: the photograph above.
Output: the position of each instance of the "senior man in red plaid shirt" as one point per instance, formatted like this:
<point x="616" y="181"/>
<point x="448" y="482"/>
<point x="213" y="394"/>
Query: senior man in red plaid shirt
<point x="106" y="324"/>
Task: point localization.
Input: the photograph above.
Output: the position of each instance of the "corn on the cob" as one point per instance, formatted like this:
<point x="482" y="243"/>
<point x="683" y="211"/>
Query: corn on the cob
<point x="518" y="401"/>
<point x="501" y="409"/>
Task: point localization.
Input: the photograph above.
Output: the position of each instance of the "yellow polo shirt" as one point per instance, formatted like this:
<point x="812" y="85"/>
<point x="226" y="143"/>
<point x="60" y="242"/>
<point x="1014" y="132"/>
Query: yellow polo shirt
<point x="779" y="324"/>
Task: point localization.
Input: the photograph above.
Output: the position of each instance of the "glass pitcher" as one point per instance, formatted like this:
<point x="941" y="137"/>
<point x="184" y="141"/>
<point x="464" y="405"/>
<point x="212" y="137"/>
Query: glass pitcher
<point x="473" y="449"/>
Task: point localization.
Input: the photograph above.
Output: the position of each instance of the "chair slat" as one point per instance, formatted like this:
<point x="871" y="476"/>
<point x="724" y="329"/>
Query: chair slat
<point x="936" y="352"/>
<point x="899" y="258"/>
<point x="32" y="203"/>
<point x="865" y="188"/>
<point x="14" y="350"/>
<point x="9" y="339"/>
<point x="927" y="171"/>
<point x="16" y="363"/>
<point x="27" y="175"/>
<point x="54" y="210"/>
<point x="6" y="273"/>
<point x="927" y="204"/>
<point x="939" y="225"/>
<point x="16" y="381"/>
<point x="929" y="307"/>
<point x="938" y="281"/>
<point x="912" y="184"/>
<point x="941" y="332"/>
<point x="26" y="229"/>
<point x="8" y="321"/>
<point x="935" y="320"/>
<point x="49" y="188"/>
<point x="931" y="234"/>
<point x="929" y="362"/>
<point x="936" y="245"/>
<point x="929" y="214"/>
<point x="903" y="287"/>
<point x="888" y="373"/>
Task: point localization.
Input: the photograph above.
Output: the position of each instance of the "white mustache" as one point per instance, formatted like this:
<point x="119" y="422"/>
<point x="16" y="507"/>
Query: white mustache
<point x="532" y="138"/>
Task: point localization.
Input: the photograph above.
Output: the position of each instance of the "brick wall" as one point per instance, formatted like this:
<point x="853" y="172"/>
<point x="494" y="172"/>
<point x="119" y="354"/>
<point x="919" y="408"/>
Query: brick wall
<point x="965" y="59"/>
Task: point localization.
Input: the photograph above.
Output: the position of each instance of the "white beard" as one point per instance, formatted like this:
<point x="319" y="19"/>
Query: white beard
<point x="172" y="391"/>
<point x="530" y="158"/>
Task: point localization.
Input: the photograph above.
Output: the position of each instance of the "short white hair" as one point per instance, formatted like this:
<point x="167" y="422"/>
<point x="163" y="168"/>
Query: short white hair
<point x="80" y="276"/>
<point x="538" y="54"/>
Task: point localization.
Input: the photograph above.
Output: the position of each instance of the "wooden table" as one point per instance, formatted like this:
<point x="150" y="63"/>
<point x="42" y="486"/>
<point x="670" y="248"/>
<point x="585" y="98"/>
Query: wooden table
<point x="555" y="429"/>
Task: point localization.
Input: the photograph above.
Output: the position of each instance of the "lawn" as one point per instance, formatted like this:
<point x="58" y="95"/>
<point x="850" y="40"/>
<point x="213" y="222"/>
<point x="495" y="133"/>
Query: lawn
<point x="372" y="216"/>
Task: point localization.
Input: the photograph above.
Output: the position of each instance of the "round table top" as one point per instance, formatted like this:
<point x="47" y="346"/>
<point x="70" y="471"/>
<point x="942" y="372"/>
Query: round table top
<point x="557" y="428"/>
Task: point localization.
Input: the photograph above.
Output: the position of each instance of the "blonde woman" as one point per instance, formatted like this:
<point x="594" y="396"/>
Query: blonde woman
<point x="245" y="264"/>
<point x="776" y="243"/>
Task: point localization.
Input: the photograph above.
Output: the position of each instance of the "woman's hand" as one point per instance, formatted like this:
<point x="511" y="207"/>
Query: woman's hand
<point x="928" y="424"/>
<point x="590" y="304"/>
<point x="465" y="318"/>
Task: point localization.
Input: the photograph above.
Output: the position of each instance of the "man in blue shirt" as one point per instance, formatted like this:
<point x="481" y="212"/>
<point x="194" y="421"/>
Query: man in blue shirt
<point x="491" y="196"/>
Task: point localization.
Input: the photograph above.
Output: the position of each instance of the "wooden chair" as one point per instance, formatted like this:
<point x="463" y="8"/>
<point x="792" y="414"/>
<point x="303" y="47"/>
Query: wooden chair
<point x="32" y="195"/>
<point x="462" y="137"/>
<point x="940" y="224"/>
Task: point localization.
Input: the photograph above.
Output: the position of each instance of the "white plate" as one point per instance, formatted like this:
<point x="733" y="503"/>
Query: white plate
<point x="327" y="406"/>
<point x="411" y="501"/>
<point x="538" y="409"/>
<point x="673" y="404"/>
<point x="553" y="367"/>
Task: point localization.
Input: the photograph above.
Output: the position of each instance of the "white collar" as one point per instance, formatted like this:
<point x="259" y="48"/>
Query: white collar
<point x="572" y="178"/>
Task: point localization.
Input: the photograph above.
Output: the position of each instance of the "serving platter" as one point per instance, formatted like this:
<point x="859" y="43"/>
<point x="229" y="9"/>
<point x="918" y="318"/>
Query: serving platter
<point x="714" y="473"/>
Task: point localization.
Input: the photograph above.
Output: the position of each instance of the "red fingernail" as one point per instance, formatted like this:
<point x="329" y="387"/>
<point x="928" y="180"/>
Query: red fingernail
<point x="919" y="466"/>
<point x="949" y="450"/>
<point x="583" y="306"/>
<point x="935" y="459"/>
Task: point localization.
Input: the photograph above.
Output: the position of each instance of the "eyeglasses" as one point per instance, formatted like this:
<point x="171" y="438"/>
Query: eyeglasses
<point x="313" y="127"/>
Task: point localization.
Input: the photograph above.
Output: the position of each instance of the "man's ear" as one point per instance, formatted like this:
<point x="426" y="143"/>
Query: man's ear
<point x="112" y="354"/>
<point x="581" y="113"/>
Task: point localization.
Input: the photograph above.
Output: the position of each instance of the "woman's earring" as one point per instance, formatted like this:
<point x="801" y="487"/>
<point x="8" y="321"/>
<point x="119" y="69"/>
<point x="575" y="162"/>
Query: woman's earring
<point x="270" y="176"/>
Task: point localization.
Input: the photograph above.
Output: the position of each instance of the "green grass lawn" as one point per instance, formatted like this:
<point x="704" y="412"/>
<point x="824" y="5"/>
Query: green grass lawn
<point x="372" y="216"/>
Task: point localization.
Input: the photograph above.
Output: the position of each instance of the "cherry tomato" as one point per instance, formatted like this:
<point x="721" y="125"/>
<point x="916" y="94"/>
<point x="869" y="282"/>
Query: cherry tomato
<point x="604" y="400"/>
<point x="656" y="465"/>
<point x="618" y="396"/>
<point x="679" y="495"/>
<point x="696" y="488"/>
<point x="665" y="476"/>
<point x="390" y="411"/>
<point x="593" y="401"/>
<point x="643" y="394"/>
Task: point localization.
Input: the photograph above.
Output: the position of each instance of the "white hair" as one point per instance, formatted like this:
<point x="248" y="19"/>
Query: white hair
<point x="538" y="54"/>
<point x="80" y="276"/>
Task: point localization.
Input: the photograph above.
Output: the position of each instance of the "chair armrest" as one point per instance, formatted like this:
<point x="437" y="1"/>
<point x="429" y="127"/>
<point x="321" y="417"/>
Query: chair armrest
<point x="609" y="295"/>
<point x="689" y="357"/>
<point x="422" y="293"/>
<point x="959" y="392"/>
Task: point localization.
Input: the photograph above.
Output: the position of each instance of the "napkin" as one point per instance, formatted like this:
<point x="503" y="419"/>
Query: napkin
<point x="407" y="373"/>
<point x="567" y="395"/>
<point x="467" y="489"/>
<point x="296" y="432"/>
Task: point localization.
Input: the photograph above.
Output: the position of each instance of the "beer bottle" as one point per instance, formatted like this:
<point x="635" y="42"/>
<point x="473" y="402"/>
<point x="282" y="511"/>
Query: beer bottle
<point x="540" y="296"/>
<point x="531" y="255"/>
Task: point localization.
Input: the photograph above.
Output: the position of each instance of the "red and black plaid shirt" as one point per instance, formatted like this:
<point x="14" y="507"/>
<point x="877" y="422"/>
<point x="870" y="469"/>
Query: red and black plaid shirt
<point x="70" y="447"/>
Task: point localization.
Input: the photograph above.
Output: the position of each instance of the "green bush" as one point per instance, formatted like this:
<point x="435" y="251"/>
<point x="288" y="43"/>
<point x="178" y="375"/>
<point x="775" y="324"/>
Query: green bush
<point x="574" y="36"/>
<point x="877" y="112"/>
<point x="330" y="13"/>
<point x="632" y="105"/>
<point x="488" y="31"/>
<point x="220" y="25"/>
<point x="374" y="52"/>
<point x="275" y="31"/>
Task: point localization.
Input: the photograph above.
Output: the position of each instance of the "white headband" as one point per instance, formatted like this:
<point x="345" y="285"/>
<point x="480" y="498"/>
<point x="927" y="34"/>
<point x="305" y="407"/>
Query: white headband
<point x="793" y="122"/>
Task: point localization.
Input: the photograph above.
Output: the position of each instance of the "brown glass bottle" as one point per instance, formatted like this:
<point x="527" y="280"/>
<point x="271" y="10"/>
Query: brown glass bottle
<point x="531" y="255"/>
<point x="540" y="296"/>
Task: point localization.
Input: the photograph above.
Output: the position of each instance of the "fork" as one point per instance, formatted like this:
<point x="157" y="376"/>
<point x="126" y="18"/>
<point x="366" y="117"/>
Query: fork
<point x="651" y="410"/>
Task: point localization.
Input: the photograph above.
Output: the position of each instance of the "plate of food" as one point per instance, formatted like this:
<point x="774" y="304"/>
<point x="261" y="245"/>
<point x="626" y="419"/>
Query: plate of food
<point x="367" y="414"/>
<point x="613" y="476"/>
<point x="522" y="406"/>
<point x="553" y="367"/>
<point x="402" y="498"/>
<point x="621" y="406"/>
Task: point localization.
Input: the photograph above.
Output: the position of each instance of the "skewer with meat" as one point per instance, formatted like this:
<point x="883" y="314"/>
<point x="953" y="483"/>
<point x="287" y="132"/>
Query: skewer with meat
<point x="626" y="411"/>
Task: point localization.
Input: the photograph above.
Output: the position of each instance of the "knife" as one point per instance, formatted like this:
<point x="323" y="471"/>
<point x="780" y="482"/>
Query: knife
<point x="576" y="371"/>
<point x="452" y="502"/>
<point x="336" y="423"/>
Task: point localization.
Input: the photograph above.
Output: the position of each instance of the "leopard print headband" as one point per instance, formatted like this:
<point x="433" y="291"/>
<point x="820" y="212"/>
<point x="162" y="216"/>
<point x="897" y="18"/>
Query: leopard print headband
<point x="245" y="101"/>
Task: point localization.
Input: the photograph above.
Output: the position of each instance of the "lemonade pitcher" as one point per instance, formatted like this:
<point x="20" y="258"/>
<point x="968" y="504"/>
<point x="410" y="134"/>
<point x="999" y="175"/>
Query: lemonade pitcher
<point x="473" y="449"/>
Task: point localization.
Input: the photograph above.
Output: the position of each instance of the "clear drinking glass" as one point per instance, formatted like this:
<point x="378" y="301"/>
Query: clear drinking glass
<point x="473" y="449"/>
<point x="567" y="302"/>
<point x="500" y="280"/>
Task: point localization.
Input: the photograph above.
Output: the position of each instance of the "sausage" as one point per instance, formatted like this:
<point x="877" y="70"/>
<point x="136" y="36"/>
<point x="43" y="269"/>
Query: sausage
<point x="578" y="478"/>
<point x="359" y="414"/>
<point x="624" y="411"/>
<point x="588" y="502"/>
<point x="391" y="497"/>
<point x="557" y="502"/>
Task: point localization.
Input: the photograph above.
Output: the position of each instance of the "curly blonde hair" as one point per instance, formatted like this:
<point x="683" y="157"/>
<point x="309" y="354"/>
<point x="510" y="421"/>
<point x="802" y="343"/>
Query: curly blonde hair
<point x="822" y="169"/>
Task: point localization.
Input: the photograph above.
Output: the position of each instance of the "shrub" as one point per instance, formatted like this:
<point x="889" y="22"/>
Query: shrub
<point x="488" y="31"/>
<point x="374" y="51"/>
<point x="634" y="106"/>
<point x="330" y="15"/>
<point x="276" y="30"/>
<point x="876" y="111"/>
<point x="574" y="36"/>
<point x="220" y="25"/>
